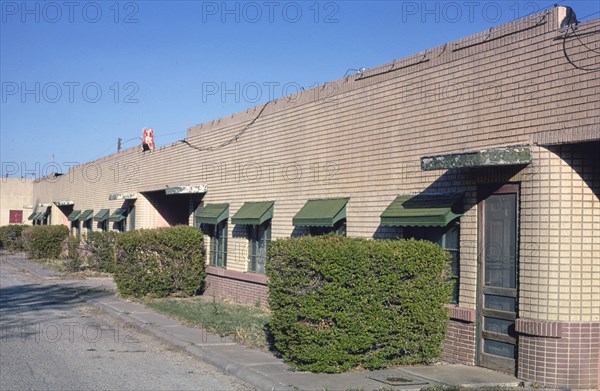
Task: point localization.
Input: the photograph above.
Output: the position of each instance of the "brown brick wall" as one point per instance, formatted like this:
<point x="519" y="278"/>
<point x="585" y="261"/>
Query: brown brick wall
<point x="459" y="345"/>
<point x="569" y="361"/>
<point x="241" y="288"/>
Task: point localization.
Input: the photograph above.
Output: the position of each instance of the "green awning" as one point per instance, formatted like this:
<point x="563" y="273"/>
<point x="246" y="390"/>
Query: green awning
<point x="74" y="215"/>
<point x="321" y="213"/>
<point x="422" y="210"/>
<point x="36" y="216"/>
<point x="118" y="215"/>
<point x="31" y="216"/>
<point x="102" y="215"/>
<point x="86" y="215"/>
<point x="43" y="215"/>
<point x="253" y="213"/>
<point x="212" y="214"/>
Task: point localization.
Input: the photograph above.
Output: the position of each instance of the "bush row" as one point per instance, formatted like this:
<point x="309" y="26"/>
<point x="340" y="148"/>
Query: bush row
<point x="340" y="303"/>
<point x="44" y="241"/>
<point x="160" y="262"/>
<point x="10" y="238"/>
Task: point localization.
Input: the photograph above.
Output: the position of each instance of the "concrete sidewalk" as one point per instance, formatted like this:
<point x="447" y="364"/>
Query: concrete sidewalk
<point x="263" y="370"/>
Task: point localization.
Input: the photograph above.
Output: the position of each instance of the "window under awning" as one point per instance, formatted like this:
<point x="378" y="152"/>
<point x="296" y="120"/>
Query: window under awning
<point x="118" y="215"/>
<point x="321" y="213"/>
<point x="41" y="216"/>
<point x="86" y="215"/>
<point x="74" y="216"/>
<point x="506" y="156"/>
<point x="253" y="213"/>
<point x="422" y="210"/>
<point x="212" y="214"/>
<point x="102" y="215"/>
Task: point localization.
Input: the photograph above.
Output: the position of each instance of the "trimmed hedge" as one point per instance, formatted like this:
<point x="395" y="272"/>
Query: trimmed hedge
<point x="340" y="303"/>
<point x="10" y="238"/>
<point x="101" y="250"/>
<point x="160" y="262"/>
<point x="44" y="241"/>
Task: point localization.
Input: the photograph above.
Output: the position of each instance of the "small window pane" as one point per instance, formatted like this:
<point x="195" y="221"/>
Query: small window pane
<point x="259" y="237"/>
<point x="501" y="303"/>
<point x="500" y="326"/>
<point x="452" y="238"/>
<point x="499" y="348"/>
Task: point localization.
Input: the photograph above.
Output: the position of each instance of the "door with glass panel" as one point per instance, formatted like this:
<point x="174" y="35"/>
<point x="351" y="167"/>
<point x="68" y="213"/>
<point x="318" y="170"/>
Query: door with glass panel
<point x="498" y="342"/>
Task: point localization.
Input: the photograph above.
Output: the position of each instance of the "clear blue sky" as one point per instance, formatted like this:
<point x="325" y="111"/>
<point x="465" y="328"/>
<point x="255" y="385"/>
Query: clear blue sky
<point x="78" y="75"/>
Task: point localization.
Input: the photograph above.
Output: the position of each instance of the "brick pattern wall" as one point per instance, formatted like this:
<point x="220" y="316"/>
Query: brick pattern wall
<point x="241" y="288"/>
<point x="459" y="345"/>
<point x="560" y="245"/>
<point x="570" y="360"/>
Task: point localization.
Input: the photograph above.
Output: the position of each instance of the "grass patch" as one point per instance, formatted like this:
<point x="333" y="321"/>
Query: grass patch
<point x="247" y="325"/>
<point x="57" y="265"/>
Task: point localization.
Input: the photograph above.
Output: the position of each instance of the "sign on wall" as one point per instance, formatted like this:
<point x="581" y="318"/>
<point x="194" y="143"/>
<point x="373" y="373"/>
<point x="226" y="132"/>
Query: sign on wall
<point x="148" y="139"/>
<point x="15" y="217"/>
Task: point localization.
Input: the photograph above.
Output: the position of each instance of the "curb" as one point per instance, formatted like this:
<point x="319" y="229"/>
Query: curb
<point x="253" y="378"/>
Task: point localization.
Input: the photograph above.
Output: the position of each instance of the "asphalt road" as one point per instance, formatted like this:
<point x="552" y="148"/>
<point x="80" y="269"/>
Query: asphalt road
<point x="51" y="339"/>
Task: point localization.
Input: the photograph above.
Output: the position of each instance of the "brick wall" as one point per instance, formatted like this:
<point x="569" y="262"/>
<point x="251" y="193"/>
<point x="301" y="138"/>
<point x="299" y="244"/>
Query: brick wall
<point x="241" y="288"/>
<point x="560" y="354"/>
<point x="459" y="345"/>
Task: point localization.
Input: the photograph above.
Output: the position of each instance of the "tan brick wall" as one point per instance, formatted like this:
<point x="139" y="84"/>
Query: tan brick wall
<point x="560" y="240"/>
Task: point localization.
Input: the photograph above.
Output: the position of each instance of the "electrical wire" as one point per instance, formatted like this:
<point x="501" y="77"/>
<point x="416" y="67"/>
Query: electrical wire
<point x="587" y="16"/>
<point x="232" y="139"/>
<point x="566" y="54"/>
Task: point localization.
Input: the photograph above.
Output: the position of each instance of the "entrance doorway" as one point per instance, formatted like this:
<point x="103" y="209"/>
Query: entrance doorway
<point x="498" y="303"/>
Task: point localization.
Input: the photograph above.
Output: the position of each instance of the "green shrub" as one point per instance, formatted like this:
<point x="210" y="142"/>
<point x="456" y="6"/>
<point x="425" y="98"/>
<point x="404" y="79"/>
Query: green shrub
<point x="340" y="303"/>
<point x="160" y="262"/>
<point x="10" y="238"/>
<point x="101" y="249"/>
<point x="73" y="260"/>
<point x="44" y="241"/>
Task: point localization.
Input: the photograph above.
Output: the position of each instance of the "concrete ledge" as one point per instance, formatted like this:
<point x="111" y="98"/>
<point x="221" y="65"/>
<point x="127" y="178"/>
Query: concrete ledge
<point x="538" y="328"/>
<point x="461" y="313"/>
<point x="235" y="275"/>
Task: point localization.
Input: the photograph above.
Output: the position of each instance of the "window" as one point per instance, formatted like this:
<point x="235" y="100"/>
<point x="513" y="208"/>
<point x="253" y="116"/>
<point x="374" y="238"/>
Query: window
<point x="15" y="217"/>
<point x="322" y="216"/>
<point x="259" y="237"/>
<point x="218" y="243"/>
<point x="119" y="217"/>
<point x="339" y="229"/>
<point x="448" y="239"/>
<point x="212" y="219"/>
<point x="131" y="218"/>
<point x="75" y="228"/>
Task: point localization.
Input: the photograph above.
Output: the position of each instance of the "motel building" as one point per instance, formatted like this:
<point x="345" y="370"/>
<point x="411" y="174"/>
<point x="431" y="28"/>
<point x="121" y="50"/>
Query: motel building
<point x="488" y="146"/>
